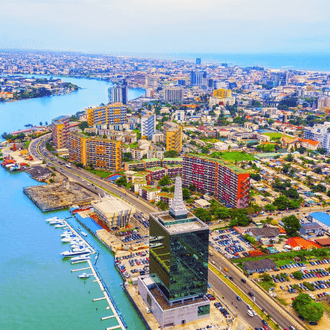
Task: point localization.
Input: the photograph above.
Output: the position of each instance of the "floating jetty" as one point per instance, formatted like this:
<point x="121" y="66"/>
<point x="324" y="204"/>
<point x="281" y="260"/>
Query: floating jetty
<point x="121" y="324"/>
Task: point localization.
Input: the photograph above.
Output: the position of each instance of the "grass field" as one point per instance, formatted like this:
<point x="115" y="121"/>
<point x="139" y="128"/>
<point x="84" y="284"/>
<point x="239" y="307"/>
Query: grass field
<point x="232" y="156"/>
<point x="100" y="173"/>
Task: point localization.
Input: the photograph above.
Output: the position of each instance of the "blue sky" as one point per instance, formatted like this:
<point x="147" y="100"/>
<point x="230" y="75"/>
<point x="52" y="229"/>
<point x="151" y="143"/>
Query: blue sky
<point x="167" y="26"/>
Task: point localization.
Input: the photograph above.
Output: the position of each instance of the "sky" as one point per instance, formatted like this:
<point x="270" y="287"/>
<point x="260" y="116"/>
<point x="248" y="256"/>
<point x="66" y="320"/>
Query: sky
<point x="167" y="26"/>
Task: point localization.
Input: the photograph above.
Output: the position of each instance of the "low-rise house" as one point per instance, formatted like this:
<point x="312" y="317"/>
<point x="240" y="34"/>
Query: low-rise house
<point x="311" y="229"/>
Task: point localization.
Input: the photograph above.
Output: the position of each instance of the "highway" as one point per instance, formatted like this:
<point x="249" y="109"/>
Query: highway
<point x="222" y="290"/>
<point x="79" y="175"/>
<point x="261" y="299"/>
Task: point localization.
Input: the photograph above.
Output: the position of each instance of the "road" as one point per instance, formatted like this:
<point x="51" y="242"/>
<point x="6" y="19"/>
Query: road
<point x="79" y="175"/>
<point x="267" y="304"/>
<point x="222" y="290"/>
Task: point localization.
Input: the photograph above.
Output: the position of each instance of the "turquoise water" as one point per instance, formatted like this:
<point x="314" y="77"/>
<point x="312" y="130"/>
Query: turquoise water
<point x="38" y="291"/>
<point x="14" y="115"/>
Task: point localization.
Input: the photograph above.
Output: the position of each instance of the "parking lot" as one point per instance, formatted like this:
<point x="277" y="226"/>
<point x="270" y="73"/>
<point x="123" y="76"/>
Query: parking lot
<point x="136" y="263"/>
<point x="230" y="243"/>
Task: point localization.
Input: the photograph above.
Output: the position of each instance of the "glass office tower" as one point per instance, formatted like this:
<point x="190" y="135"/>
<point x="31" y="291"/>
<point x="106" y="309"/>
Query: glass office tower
<point x="179" y="251"/>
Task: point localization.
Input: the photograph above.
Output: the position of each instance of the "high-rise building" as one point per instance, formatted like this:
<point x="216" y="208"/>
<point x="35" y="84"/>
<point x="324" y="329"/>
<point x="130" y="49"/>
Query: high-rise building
<point x="60" y="129"/>
<point x="178" y="247"/>
<point x="173" y="135"/>
<point x="173" y="94"/>
<point x="227" y="183"/>
<point x="197" y="77"/>
<point x="111" y="114"/>
<point x="148" y="125"/>
<point x="118" y="93"/>
<point x="198" y="61"/>
<point x="222" y="93"/>
<point x="101" y="153"/>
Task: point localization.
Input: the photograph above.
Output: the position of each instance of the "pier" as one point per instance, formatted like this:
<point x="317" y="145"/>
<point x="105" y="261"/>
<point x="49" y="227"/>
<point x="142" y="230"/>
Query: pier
<point x="109" y="300"/>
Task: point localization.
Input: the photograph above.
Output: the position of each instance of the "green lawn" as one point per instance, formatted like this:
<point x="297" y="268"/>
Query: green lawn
<point x="100" y="173"/>
<point x="211" y="140"/>
<point x="232" y="156"/>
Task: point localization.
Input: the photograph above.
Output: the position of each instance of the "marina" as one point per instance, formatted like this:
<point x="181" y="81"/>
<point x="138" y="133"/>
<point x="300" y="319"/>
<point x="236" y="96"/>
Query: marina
<point x="82" y="254"/>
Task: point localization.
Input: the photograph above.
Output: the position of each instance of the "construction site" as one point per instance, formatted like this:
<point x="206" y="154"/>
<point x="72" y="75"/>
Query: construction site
<point x="59" y="196"/>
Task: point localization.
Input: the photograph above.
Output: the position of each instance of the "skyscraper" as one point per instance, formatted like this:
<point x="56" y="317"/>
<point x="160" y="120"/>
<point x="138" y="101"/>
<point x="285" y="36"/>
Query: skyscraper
<point x="198" y="61"/>
<point x="173" y="94"/>
<point x="197" y="77"/>
<point x="118" y="93"/>
<point x="178" y="248"/>
<point x="148" y="125"/>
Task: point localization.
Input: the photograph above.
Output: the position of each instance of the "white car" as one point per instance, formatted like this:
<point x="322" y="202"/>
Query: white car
<point x="249" y="312"/>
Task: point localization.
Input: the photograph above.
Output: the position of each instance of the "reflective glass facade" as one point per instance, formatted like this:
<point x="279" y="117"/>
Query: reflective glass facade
<point x="179" y="260"/>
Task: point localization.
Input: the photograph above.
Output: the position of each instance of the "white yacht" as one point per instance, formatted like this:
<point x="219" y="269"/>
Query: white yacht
<point x="75" y="252"/>
<point x="84" y="275"/>
<point x="81" y="258"/>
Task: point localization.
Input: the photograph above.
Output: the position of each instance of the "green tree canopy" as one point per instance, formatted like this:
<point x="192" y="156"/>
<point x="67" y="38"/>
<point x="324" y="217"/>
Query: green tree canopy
<point x="306" y="307"/>
<point x="291" y="225"/>
<point x="203" y="214"/>
<point x="83" y="125"/>
<point x="170" y="154"/>
<point x="165" y="180"/>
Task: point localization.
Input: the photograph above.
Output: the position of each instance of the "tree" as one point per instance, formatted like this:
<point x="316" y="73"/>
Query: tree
<point x="121" y="181"/>
<point x="192" y="187"/>
<point x="255" y="177"/>
<point x="270" y="207"/>
<point x="298" y="275"/>
<point x="322" y="151"/>
<point x="185" y="193"/>
<point x="165" y="180"/>
<point x="221" y="212"/>
<point x="203" y="214"/>
<point x="83" y="125"/>
<point x="291" y="193"/>
<point x="162" y="205"/>
<point x="291" y="225"/>
<point x="170" y="154"/>
<point x="306" y="307"/>
<point x="40" y="123"/>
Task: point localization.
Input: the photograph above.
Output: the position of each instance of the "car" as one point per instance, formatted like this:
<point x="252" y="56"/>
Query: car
<point x="231" y="278"/>
<point x="301" y="317"/>
<point x="313" y="323"/>
<point x="251" y="294"/>
<point x="238" y="298"/>
<point x="243" y="280"/>
<point x="291" y="327"/>
<point x="264" y="322"/>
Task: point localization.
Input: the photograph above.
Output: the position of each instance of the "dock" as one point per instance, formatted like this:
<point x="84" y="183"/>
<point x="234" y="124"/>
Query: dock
<point x="107" y="297"/>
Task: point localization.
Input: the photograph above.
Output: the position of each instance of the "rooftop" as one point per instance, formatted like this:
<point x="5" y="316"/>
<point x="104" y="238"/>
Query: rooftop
<point x="234" y="168"/>
<point x="111" y="204"/>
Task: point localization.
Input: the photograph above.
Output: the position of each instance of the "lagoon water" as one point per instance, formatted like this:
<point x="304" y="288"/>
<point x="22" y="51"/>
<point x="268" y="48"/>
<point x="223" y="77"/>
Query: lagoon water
<point x="38" y="291"/>
<point x="14" y="115"/>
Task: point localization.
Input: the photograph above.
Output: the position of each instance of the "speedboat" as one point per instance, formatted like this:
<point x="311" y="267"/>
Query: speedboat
<point x="83" y="234"/>
<point x="66" y="233"/>
<point x="84" y="275"/>
<point x="78" y="228"/>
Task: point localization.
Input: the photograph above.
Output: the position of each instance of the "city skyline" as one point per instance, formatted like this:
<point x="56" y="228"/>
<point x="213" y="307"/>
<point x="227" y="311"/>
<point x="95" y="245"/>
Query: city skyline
<point x="171" y="27"/>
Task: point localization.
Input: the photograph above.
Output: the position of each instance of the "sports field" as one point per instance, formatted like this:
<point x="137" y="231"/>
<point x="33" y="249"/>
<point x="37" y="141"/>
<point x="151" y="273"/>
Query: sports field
<point x="274" y="135"/>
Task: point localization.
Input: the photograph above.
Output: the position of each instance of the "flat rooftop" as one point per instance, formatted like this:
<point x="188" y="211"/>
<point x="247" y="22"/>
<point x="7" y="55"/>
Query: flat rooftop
<point x="172" y="225"/>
